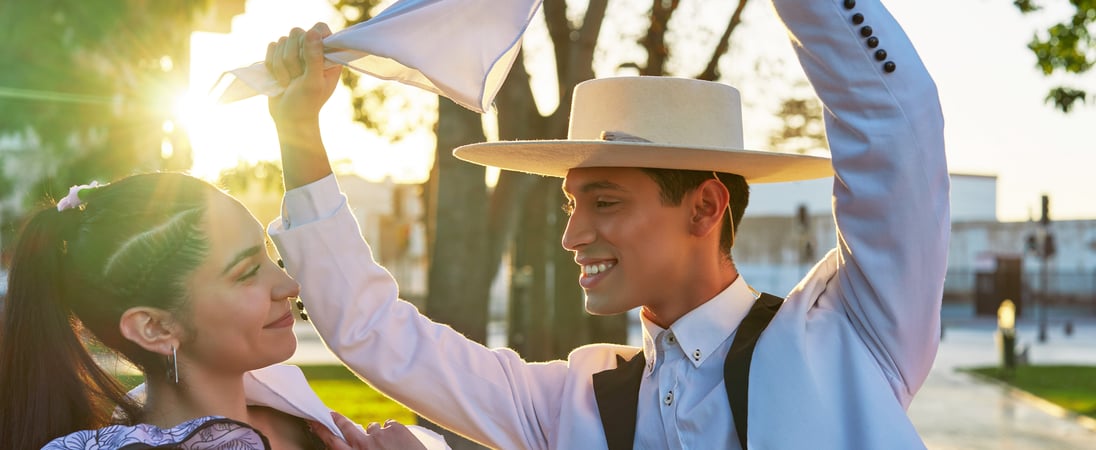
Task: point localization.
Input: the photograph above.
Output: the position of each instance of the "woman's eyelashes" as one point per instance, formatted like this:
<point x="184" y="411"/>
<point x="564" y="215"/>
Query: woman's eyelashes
<point x="254" y="270"/>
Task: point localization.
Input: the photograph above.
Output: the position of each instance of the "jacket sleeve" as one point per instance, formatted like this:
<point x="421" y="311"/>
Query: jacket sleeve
<point x="490" y="396"/>
<point x="885" y="130"/>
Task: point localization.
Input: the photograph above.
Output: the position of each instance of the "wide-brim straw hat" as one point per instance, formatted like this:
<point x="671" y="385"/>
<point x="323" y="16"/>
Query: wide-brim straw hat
<point x="650" y="122"/>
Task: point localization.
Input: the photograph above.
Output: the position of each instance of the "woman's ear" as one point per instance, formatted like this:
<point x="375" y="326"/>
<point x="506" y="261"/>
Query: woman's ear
<point x="710" y="203"/>
<point x="153" y="329"/>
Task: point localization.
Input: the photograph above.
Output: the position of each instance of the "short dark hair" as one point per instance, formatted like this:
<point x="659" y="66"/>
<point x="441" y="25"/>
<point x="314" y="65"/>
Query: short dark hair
<point x="676" y="183"/>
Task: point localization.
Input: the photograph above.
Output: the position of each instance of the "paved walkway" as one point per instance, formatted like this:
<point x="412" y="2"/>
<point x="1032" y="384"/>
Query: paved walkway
<point x="955" y="410"/>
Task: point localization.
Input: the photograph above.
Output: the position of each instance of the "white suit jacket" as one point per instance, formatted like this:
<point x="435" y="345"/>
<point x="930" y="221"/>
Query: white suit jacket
<point x="837" y="366"/>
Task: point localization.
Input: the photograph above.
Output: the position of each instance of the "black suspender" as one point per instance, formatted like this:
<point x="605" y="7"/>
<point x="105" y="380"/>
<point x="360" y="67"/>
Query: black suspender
<point x="736" y="369"/>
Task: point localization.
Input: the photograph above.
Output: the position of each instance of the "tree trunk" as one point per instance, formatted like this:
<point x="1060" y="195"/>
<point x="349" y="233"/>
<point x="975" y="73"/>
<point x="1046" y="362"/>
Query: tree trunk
<point x="534" y="254"/>
<point x="459" y="277"/>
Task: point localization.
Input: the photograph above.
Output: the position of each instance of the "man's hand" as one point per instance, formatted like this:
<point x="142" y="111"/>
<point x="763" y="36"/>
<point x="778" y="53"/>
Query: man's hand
<point x="391" y="436"/>
<point x="297" y="62"/>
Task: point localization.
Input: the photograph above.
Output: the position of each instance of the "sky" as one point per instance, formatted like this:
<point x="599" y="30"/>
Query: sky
<point x="997" y="122"/>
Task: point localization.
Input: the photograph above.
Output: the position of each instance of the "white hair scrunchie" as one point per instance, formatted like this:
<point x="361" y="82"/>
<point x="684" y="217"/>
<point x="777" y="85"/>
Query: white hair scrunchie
<point x="72" y="200"/>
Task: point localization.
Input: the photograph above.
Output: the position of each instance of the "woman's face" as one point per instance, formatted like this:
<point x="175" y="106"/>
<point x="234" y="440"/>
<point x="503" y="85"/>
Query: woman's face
<point x="241" y="316"/>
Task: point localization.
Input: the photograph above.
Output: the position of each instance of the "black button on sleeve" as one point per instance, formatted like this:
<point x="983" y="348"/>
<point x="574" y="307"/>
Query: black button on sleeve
<point x="850" y="4"/>
<point x="857" y="19"/>
<point x="865" y="31"/>
<point x="880" y="55"/>
<point x="281" y="263"/>
<point x="873" y="42"/>
<point x="889" y="66"/>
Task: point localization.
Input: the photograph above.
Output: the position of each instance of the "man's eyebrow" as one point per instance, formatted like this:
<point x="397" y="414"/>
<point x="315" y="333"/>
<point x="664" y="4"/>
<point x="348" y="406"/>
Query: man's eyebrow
<point x="597" y="185"/>
<point x="244" y="254"/>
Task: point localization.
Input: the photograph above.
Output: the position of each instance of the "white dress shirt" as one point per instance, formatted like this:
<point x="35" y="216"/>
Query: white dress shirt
<point x="682" y="397"/>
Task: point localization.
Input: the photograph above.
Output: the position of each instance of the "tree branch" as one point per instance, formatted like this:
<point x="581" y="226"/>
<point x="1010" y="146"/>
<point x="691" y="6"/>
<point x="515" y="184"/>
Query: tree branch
<point x="711" y="72"/>
<point x="655" y="39"/>
<point x="559" y="31"/>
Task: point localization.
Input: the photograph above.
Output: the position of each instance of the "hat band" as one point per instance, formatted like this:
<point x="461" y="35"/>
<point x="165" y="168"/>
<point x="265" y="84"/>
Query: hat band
<point x="618" y="136"/>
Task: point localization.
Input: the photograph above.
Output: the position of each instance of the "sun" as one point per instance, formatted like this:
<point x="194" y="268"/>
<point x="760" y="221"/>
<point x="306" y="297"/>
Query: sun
<point x="223" y="135"/>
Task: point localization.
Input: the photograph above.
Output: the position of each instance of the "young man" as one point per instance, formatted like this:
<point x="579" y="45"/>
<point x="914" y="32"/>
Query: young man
<point x="650" y="171"/>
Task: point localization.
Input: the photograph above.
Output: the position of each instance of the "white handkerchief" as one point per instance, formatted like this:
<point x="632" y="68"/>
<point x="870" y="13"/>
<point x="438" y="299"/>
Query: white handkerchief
<point x="284" y="388"/>
<point x="461" y="49"/>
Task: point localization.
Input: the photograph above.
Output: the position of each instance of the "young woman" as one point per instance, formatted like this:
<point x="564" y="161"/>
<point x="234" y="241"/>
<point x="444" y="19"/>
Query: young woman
<point x="173" y="274"/>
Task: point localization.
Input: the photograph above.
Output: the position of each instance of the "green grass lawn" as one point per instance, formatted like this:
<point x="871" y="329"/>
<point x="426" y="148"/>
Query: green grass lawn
<point x="342" y="392"/>
<point x="1071" y="387"/>
<point x="353" y="398"/>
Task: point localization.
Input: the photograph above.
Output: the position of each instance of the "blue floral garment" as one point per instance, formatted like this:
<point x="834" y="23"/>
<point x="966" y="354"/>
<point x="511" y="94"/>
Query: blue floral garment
<point x="204" y="433"/>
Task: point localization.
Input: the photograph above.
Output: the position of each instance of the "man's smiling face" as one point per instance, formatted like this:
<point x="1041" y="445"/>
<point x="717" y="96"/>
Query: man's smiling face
<point x="632" y="248"/>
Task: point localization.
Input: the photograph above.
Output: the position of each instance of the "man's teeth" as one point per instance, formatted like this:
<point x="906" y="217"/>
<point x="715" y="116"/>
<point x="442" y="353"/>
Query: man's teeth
<point x="594" y="269"/>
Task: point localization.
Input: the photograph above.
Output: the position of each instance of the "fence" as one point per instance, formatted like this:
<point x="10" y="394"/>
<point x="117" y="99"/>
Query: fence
<point x="1064" y="287"/>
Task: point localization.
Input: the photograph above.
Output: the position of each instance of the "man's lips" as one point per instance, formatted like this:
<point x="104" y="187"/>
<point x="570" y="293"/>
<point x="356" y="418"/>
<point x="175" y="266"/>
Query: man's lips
<point x="594" y="271"/>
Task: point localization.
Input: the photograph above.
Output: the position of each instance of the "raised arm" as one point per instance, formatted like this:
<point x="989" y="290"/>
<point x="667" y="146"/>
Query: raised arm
<point x="885" y="130"/>
<point x="296" y="61"/>
<point x="491" y="396"/>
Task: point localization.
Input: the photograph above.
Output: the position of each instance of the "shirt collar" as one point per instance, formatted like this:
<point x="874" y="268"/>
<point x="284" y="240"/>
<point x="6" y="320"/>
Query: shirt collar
<point x="701" y="331"/>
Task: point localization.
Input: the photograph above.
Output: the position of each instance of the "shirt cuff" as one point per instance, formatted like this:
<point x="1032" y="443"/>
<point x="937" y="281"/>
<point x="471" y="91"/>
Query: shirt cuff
<point x="312" y="202"/>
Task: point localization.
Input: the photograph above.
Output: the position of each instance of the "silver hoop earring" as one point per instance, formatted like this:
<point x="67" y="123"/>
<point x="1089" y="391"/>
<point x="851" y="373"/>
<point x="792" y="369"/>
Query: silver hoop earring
<point x="173" y="366"/>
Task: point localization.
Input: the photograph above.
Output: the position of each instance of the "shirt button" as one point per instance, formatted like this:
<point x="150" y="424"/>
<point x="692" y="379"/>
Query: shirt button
<point x="669" y="398"/>
<point x="696" y="354"/>
<point x="672" y="339"/>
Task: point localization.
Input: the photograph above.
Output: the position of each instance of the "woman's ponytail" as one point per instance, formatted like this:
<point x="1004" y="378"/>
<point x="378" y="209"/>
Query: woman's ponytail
<point x="50" y="385"/>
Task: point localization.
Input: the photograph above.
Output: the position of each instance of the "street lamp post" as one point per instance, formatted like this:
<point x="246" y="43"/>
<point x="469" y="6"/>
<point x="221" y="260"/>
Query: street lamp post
<point x="1006" y="335"/>
<point x="1043" y="243"/>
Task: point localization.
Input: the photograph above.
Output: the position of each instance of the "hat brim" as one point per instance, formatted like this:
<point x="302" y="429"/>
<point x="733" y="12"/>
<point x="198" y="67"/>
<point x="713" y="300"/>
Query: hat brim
<point x="555" y="157"/>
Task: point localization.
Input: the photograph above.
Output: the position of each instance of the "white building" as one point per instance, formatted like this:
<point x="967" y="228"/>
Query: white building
<point x="775" y="255"/>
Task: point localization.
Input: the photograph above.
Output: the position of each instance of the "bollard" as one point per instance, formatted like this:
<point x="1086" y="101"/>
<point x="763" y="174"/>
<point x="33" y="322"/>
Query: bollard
<point x="1006" y="334"/>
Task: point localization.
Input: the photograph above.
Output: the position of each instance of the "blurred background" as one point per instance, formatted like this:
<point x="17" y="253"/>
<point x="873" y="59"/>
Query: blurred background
<point x="98" y="89"/>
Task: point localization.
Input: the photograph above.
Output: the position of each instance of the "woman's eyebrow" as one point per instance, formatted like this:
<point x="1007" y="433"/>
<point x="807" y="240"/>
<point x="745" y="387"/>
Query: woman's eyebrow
<point x="242" y="255"/>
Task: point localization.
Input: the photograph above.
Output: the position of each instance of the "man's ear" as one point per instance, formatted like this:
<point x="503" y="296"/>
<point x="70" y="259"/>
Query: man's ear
<point x="153" y="329"/>
<point x="709" y="207"/>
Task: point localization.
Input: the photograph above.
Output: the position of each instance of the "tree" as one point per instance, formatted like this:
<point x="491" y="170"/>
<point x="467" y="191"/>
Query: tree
<point x="87" y="92"/>
<point x="1066" y="47"/>
<point x="257" y="185"/>
<point x="803" y="130"/>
